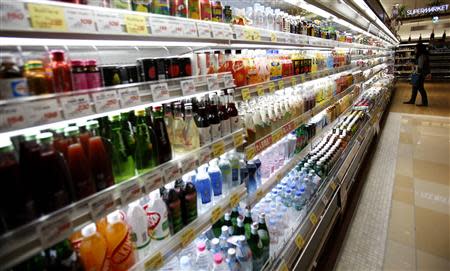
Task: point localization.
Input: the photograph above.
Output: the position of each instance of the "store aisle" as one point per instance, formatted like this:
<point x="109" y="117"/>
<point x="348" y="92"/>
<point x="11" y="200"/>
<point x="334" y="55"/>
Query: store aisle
<point x="402" y="221"/>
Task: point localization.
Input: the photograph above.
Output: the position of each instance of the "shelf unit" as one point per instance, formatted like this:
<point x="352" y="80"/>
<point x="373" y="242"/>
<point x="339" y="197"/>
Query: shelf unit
<point x="439" y="60"/>
<point x="404" y="61"/>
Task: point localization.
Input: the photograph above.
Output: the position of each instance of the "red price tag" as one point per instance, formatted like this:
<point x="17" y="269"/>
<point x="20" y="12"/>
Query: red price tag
<point x="76" y="106"/>
<point x="80" y="20"/>
<point x="263" y="143"/>
<point x="13" y="15"/>
<point x="129" y="96"/>
<point x="41" y="112"/>
<point x="105" y="101"/>
<point x="108" y="22"/>
<point x="204" y="30"/>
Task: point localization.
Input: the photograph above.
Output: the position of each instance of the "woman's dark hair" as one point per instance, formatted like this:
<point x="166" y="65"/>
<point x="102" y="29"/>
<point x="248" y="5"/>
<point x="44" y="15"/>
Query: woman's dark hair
<point x="421" y="49"/>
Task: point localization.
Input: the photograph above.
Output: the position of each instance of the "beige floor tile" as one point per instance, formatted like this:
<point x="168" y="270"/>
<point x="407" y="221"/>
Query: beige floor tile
<point x="401" y="223"/>
<point x="404" y="182"/>
<point x="430" y="262"/>
<point x="404" y="195"/>
<point x="404" y="166"/>
<point x="399" y="257"/>
<point x="432" y="196"/>
<point x="405" y="138"/>
<point x="442" y="130"/>
<point x="431" y="171"/>
<point x="405" y="150"/>
<point x="432" y="148"/>
<point x="432" y="232"/>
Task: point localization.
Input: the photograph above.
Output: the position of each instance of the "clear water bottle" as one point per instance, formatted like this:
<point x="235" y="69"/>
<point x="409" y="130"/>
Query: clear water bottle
<point x="235" y="168"/>
<point x="252" y="178"/>
<point x="232" y="262"/>
<point x="225" y="168"/>
<point x="204" y="188"/>
<point x="219" y="263"/>
<point x="223" y="239"/>
<point x="203" y="259"/>
<point x="299" y="200"/>
<point x="215" y="246"/>
<point x="186" y="264"/>
<point x="216" y="178"/>
<point x="244" y="254"/>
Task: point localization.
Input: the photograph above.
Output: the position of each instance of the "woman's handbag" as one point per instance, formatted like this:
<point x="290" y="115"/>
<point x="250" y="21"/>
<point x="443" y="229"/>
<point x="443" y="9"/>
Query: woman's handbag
<point x="415" y="77"/>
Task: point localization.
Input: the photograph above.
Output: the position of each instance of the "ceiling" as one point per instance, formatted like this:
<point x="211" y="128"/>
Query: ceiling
<point x="424" y="26"/>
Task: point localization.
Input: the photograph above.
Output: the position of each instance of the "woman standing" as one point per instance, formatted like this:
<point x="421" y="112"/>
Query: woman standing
<point x="422" y="70"/>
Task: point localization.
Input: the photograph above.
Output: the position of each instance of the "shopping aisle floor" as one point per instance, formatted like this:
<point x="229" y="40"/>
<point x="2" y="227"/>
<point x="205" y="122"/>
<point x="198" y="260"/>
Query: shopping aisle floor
<point x="402" y="221"/>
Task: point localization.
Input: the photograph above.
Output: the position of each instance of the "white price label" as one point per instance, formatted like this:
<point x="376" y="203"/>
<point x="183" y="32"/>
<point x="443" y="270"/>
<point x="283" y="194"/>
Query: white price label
<point x="102" y="205"/>
<point x="188" y="164"/>
<point x="41" y="112"/>
<point x="55" y="229"/>
<point x="11" y="117"/>
<point x="204" y="30"/>
<point x="217" y="31"/>
<point x="80" y="20"/>
<point x="177" y="29"/>
<point x="188" y="87"/>
<point x="239" y="31"/>
<point x="76" y="106"/>
<point x="204" y="156"/>
<point x="129" y="96"/>
<point x="160" y="91"/>
<point x="227" y="31"/>
<point x="213" y="83"/>
<point x="153" y="181"/>
<point x="130" y="192"/>
<point x="108" y="22"/>
<point x="228" y="80"/>
<point x="172" y="172"/>
<point x="13" y="15"/>
<point x="105" y="101"/>
<point x="160" y="27"/>
<point x="190" y="29"/>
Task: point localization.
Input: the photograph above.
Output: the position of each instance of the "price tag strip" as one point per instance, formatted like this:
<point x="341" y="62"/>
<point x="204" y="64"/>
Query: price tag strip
<point x="160" y="91"/>
<point x="238" y="140"/>
<point x="299" y="241"/>
<point x="245" y="94"/>
<point x="13" y="15"/>
<point x="12" y="117"/>
<point x="250" y="152"/>
<point x="271" y="87"/>
<point x="130" y="192"/>
<point x="188" y="87"/>
<point x="172" y="172"/>
<point x="204" y="155"/>
<point x="313" y="219"/>
<point x="136" y="24"/>
<point x="260" y="90"/>
<point x="216" y="214"/>
<point x="152" y="181"/>
<point x="218" y="148"/>
<point x="47" y="17"/>
<point x="155" y="262"/>
<point x="188" y="164"/>
<point x="76" y="106"/>
<point x="55" y="229"/>
<point x="213" y="83"/>
<point x="105" y="101"/>
<point x="80" y="20"/>
<point x="228" y="81"/>
<point x="108" y="22"/>
<point x="187" y="237"/>
<point x="41" y="112"/>
<point x="234" y="199"/>
<point x="102" y="205"/>
<point x="129" y="96"/>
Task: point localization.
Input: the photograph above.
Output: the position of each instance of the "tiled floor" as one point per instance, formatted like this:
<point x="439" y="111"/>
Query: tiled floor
<point x="411" y="166"/>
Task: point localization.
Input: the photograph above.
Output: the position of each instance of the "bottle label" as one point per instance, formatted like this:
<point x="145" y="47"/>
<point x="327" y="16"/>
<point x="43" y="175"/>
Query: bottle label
<point x="235" y="176"/>
<point x="235" y="123"/>
<point x="216" y="184"/>
<point x="215" y="131"/>
<point x="93" y="80"/>
<point x="205" y="193"/>
<point x="79" y="81"/>
<point x="122" y="257"/>
<point x="157" y="225"/>
<point x="205" y="135"/>
<point x="16" y="87"/>
<point x="225" y="127"/>
<point x="191" y="207"/>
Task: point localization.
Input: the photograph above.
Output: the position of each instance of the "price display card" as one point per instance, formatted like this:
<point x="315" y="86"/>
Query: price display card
<point x="250" y="152"/>
<point x="41" y="112"/>
<point x="204" y="155"/>
<point x="188" y="164"/>
<point x="130" y="192"/>
<point x="204" y="30"/>
<point x="160" y="91"/>
<point x="188" y="87"/>
<point x="177" y="29"/>
<point x="299" y="241"/>
<point x="271" y="87"/>
<point x="80" y="20"/>
<point x="190" y="29"/>
<point x="55" y="229"/>
<point x="216" y="214"/>
<point x="238" y="140"/>
<point x="260" y="90"/>
<point x="213" y="82"/>
<point x="239" y="31"/>
<point x="129" y="96"/>
<point x="152" y="181"/>
<point x="228" y="80"/>
<point x="187" y="237"/>
<point x="218" y="148"/>
<point x="105" y="101"/>
<point x="12" y="117"/>
<point x="47" y="17"/>
<point x="245" y="94"/>
<point x="234" y="199"/>
<point x="227" y="31"/>
<point x="108" y="22"/>
<point x="76" y="106"/>
<point x="136" y="24"/>
<point x="160" y="27"/>
<point x="218" y="31"/>
<point x="172" y="172"/>
<point x="102" y="205"/>
<point x="155" y="262"/>
<point x="13" y="15"/>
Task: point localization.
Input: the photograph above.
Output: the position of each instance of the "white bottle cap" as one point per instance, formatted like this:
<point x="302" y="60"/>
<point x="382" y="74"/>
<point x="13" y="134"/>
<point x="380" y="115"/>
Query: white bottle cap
<point x="224" y="228"/>
<point x="231" y="252"/>
<point x="113" y="217"/>
<point x="89" y="230"/>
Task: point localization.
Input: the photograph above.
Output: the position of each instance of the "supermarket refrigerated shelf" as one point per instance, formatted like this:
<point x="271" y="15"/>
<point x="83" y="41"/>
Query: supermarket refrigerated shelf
<point x="21" y="113"/>
<point x="21" y="243"/>
<point x="85" y="22"/>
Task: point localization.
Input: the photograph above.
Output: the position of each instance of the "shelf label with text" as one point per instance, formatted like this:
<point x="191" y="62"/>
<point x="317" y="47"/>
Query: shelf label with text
<point x="105" y="101"/>
<point x="234" y="199"/>
<point x="228" y="80"/>
<point x="273" y="37"/>
<point x="80" y="20"/>
<point x="135" y="24"/>
<point x="160" y="91"/>
<point x="313" y="219"/>
<point x="259" y="193"/>
<point x="204" y="30"/>
<point x="12" y="117"/>
<point x="277" y="135"/>
<point x="188" y="164"/>
<point x="204" y="155"/>
<point x="212" y="82"/>
<point x="288" y="128"/>
<point x="187" y="237"/>
<point x="293" y="81"/>
<point x="129" y="96"/>
<point x="152" y="181"/>
<point x="108" y="22"/>
<point x="41" y="112"/>
<point x="260" y="90"/>
<point x="76" y="106"/>
<point x="55" y="229"/>
<point x="271" y="87"/>
<point x="130" y="192"/>
<point x="281" y="84"/>
<point x="13" y="15"/>
<point x="216" y="214"/>
<point x="250" y="152"/>
<point x="218" y="148"/>
<point x="172" y="172"/>
<point x="102" y="205"/>
<point x="263" y="144"/>
<point x="47" y="17"/>
<point x="160" y="27"/>
<point x="299" y="241"/>
<point x="187" y="87"/>
<point x="190" y="29"/>
<point x="217" y="31"/>
<point x="245" y="94"/>
<point x="238" y="140"/>
<point x="155" y="262"/>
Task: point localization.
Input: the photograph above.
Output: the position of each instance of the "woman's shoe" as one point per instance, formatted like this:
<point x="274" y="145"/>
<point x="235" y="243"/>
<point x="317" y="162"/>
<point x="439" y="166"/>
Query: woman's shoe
<point x="409" y="102"/>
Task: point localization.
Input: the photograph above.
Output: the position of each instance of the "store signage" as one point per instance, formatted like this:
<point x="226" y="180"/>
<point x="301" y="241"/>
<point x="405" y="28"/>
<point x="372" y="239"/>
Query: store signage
<point x="426" y="10"/>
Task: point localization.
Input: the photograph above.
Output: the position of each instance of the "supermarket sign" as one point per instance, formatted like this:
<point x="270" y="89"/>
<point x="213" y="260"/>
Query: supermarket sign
<point x="426" y="10"/>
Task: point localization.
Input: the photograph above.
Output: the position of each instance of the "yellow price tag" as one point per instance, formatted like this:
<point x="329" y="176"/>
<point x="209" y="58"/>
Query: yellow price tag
<point x="234" y="199"/>
<point x="245" y="94"/>
<point x="218" y="148"/>
<point x="256" y="35"/>
<point x="47" y="17"/>
<point x="216" y="214"/>
<point x="283" y="266"/>
<point x="277" y="135"/>
<point x="273" y="37"/>
<point x="294" y="81"/>
<point x="280" y="84"/>
<point x="333" y="185"/>
<point x="259" y="193"/>
<point x="238" y="139"/>
<point x="302" y="78"/>
<point x="260" y="90"/>
<point x="248" y="34"/>
<point x="271" y="87"/>
<point x="250" y="152"/>
<point x="313" y="219"/>
<point x="299" y="241"/>
<point x="187" y="237"/>
<point x="136" y="24"/>
<point x="154" y="262"/>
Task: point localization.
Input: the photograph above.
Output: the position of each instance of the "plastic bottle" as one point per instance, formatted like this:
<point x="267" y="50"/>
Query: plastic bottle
<point x="120" y="249"/>
<point x="93" y="249"/>
<point x="215" y="246"/>
<point x="173" y="203"/>
<point x="100" y="163"/>
<point x="216" y="178"/>
<point x="251" y="184"/>
<point x="244" y="254"/>
<point x="185" y="264"/>
<point x="189" y="202"/>
<point x="264" y="236"/>
<point x="12" y="82"/>
<point x="223" y="239"/>
<point x="157" y="216"/>
<point x="225" y="168"/>
<point x="137" y="220"/>
<point x="203" y="186"/>
<point x="255" y="244"/>
<point x="243" y="172"/>
<point x="219" y="263"/>
<point x="203" y="260"/>
<point x="80" y="171"/>
<point x="235" y="167"/>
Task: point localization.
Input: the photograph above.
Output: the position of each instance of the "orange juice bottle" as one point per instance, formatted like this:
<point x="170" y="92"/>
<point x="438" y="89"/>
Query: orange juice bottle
<point x="120" y="249"/>
<point x="93" y="249"/>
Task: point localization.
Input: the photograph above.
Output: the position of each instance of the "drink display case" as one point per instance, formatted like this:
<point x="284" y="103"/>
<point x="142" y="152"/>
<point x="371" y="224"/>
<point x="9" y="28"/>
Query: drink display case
<point x="180" y="135"/>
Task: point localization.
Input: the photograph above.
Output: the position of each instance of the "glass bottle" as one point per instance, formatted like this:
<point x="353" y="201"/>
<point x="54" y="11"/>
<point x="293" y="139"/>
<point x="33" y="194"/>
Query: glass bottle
<point x="191" y="133"/>
<point x="204" y="129"/>
<point x="12" y="81"/>
<point x="178" y="128"/>
<point x="168" y="120"/>
<point x="37" y="79"/>
<point x="62" y="79"/>
<point x="144" y="152"/>
<point x="233" y="113"/>
<point x="128" y="135"/>
<point x="123" y="164"/>
<point x="213" y="118"/>
<point x="162" y="137"/>
<point x="255" y="244"/>
<point x="173" y="203"/>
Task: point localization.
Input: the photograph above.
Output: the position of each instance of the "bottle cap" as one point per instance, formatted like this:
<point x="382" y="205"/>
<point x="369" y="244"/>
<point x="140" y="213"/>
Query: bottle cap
<point x="91" y="62"/>
<point x="215" y="242"/>
<point x="218" y="258"/>
<point x="185" y="262"/>
<point x="89" y="230"/>
<point x="71" y="131"/>
<point x="224" y="228"/>
<point x="77" y="62"/>
<point x="30" y="136"/>
<point x="227" y="216"/>
<point x="254" y="227"/>
<point x="45" y="137"/>
<point x="115" y="117"/>
<point x="113" y="217"/>
<point x="231" y="252"/>
<point x="92" y="124"/>
<point x="139" y="113"/>
<point x="240" y="221"/>
<point x="201" y="246"/>
<point x="57" y="55"/>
